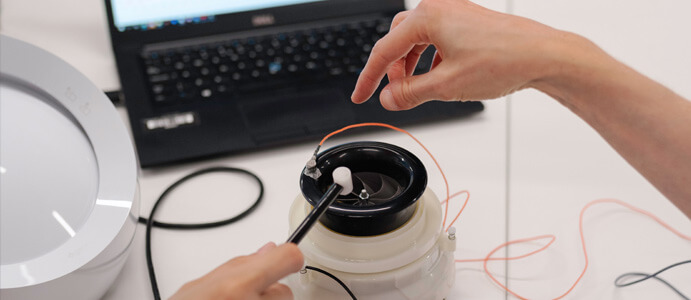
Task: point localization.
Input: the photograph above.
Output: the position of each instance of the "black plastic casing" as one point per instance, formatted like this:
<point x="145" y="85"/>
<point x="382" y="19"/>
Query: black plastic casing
<point x="376" y="157"/>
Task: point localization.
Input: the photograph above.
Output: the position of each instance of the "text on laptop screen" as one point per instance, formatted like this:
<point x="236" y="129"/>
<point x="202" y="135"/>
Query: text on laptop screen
<point x="152" y="14"/>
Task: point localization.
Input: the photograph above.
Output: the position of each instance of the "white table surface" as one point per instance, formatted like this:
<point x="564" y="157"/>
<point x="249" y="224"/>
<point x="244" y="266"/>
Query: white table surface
<point x="529" y="164"/>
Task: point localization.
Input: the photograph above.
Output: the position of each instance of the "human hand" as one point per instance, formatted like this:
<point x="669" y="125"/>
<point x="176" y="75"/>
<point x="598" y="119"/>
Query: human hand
<point x="481" y="54"/>
<point x="251" y="277"/>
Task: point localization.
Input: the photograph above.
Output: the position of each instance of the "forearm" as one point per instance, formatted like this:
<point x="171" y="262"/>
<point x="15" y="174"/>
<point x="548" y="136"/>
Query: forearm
<point x="483" y="54"/>
<point x="648" y="124"/>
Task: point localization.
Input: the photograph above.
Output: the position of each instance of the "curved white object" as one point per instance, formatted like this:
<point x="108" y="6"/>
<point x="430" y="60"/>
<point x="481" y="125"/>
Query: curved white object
<point x="343" y="177"/>
<point x="415" y="261"/>
<point x="69" y="199"/>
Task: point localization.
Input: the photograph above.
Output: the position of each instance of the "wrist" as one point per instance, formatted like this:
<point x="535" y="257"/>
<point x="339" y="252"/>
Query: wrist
<point x="573" y="66"/>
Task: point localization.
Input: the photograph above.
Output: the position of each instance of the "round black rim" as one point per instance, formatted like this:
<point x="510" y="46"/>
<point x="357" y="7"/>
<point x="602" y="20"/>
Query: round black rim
<point x="392" y="178"/>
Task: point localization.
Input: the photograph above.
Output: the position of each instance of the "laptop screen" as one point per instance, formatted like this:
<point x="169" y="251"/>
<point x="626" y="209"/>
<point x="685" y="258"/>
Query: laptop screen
<point x="153" y="14"/>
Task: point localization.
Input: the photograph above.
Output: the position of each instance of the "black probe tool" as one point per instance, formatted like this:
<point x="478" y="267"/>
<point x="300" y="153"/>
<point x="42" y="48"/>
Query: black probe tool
<point x="343" y="184"/>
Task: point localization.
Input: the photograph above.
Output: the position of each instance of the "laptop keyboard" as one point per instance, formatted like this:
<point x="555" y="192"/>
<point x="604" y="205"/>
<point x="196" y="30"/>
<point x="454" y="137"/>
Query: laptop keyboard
<point x="240" y="66"/>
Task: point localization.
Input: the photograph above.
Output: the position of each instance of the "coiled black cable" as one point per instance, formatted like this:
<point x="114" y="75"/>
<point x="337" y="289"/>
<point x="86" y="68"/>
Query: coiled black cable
<point x="150" y="223"/>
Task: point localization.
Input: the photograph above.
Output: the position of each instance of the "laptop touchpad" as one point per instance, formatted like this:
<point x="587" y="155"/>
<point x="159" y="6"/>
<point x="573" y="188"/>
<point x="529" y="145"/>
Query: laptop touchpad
<point x="279" y="116"/>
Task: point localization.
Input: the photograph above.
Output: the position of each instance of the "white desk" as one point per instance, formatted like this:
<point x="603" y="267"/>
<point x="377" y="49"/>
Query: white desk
<point x="529" y="153"/>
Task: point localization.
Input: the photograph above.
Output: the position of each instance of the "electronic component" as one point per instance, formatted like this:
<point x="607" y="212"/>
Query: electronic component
<point x="384" y="239"/>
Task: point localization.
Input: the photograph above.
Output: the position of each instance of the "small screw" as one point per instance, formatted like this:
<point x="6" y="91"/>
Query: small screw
<point x="303" y="271"/>
<point x="364" y="195"/>
<point x="452" y="233"/>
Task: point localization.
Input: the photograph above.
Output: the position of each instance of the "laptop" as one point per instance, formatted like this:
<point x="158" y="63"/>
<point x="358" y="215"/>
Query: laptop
<point x="208" y="77"/>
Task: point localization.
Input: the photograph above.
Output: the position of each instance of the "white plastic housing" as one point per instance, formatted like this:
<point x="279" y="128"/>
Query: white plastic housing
<point x="415" y="261"/>
<point x="69" y="198"/>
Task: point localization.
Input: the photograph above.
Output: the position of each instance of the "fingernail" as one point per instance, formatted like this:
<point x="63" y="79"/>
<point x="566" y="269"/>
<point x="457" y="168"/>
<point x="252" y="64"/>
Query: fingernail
<point x="266" y="248"/>
<point x="387" y="97"/>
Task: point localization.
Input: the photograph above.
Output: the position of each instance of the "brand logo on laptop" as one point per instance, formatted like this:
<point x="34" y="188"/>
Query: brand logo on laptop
<point x="263" y="20"/>
<point x="171" y="121"/>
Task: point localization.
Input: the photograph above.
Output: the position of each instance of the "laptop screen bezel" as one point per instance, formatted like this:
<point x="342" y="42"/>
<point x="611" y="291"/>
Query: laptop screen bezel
<point x="241" y="21"/>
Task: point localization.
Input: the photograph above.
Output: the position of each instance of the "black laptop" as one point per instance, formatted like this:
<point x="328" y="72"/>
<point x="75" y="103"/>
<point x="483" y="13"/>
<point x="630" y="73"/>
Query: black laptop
<point x="205" y="77"/>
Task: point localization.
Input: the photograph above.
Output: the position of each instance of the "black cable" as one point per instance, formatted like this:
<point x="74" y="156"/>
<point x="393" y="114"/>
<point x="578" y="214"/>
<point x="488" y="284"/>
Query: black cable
<point x="334" y="278"/>
<point x="618" y="281"/>
<point x="150" y="223"/>
<point x="657" y="278"/>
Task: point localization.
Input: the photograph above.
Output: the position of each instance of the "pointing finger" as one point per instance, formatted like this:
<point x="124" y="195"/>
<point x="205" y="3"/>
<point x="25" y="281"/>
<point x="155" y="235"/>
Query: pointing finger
<point x="385" y="52"/>
<point x="398" y="18"/>
<point x="408" y="92"/>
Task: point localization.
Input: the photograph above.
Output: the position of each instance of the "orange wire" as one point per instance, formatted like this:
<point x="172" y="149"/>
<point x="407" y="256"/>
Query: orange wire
<point x="622" y="203"/>
<point x="487" y="258"/>
<point x="553" y="238"/>
<point x="446" y="183"/>
<point x="582" y="236"/>
<point x="462" y="207"/>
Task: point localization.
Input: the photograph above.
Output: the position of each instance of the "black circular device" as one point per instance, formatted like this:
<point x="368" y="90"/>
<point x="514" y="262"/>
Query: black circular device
<point x="387" y="182"/>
